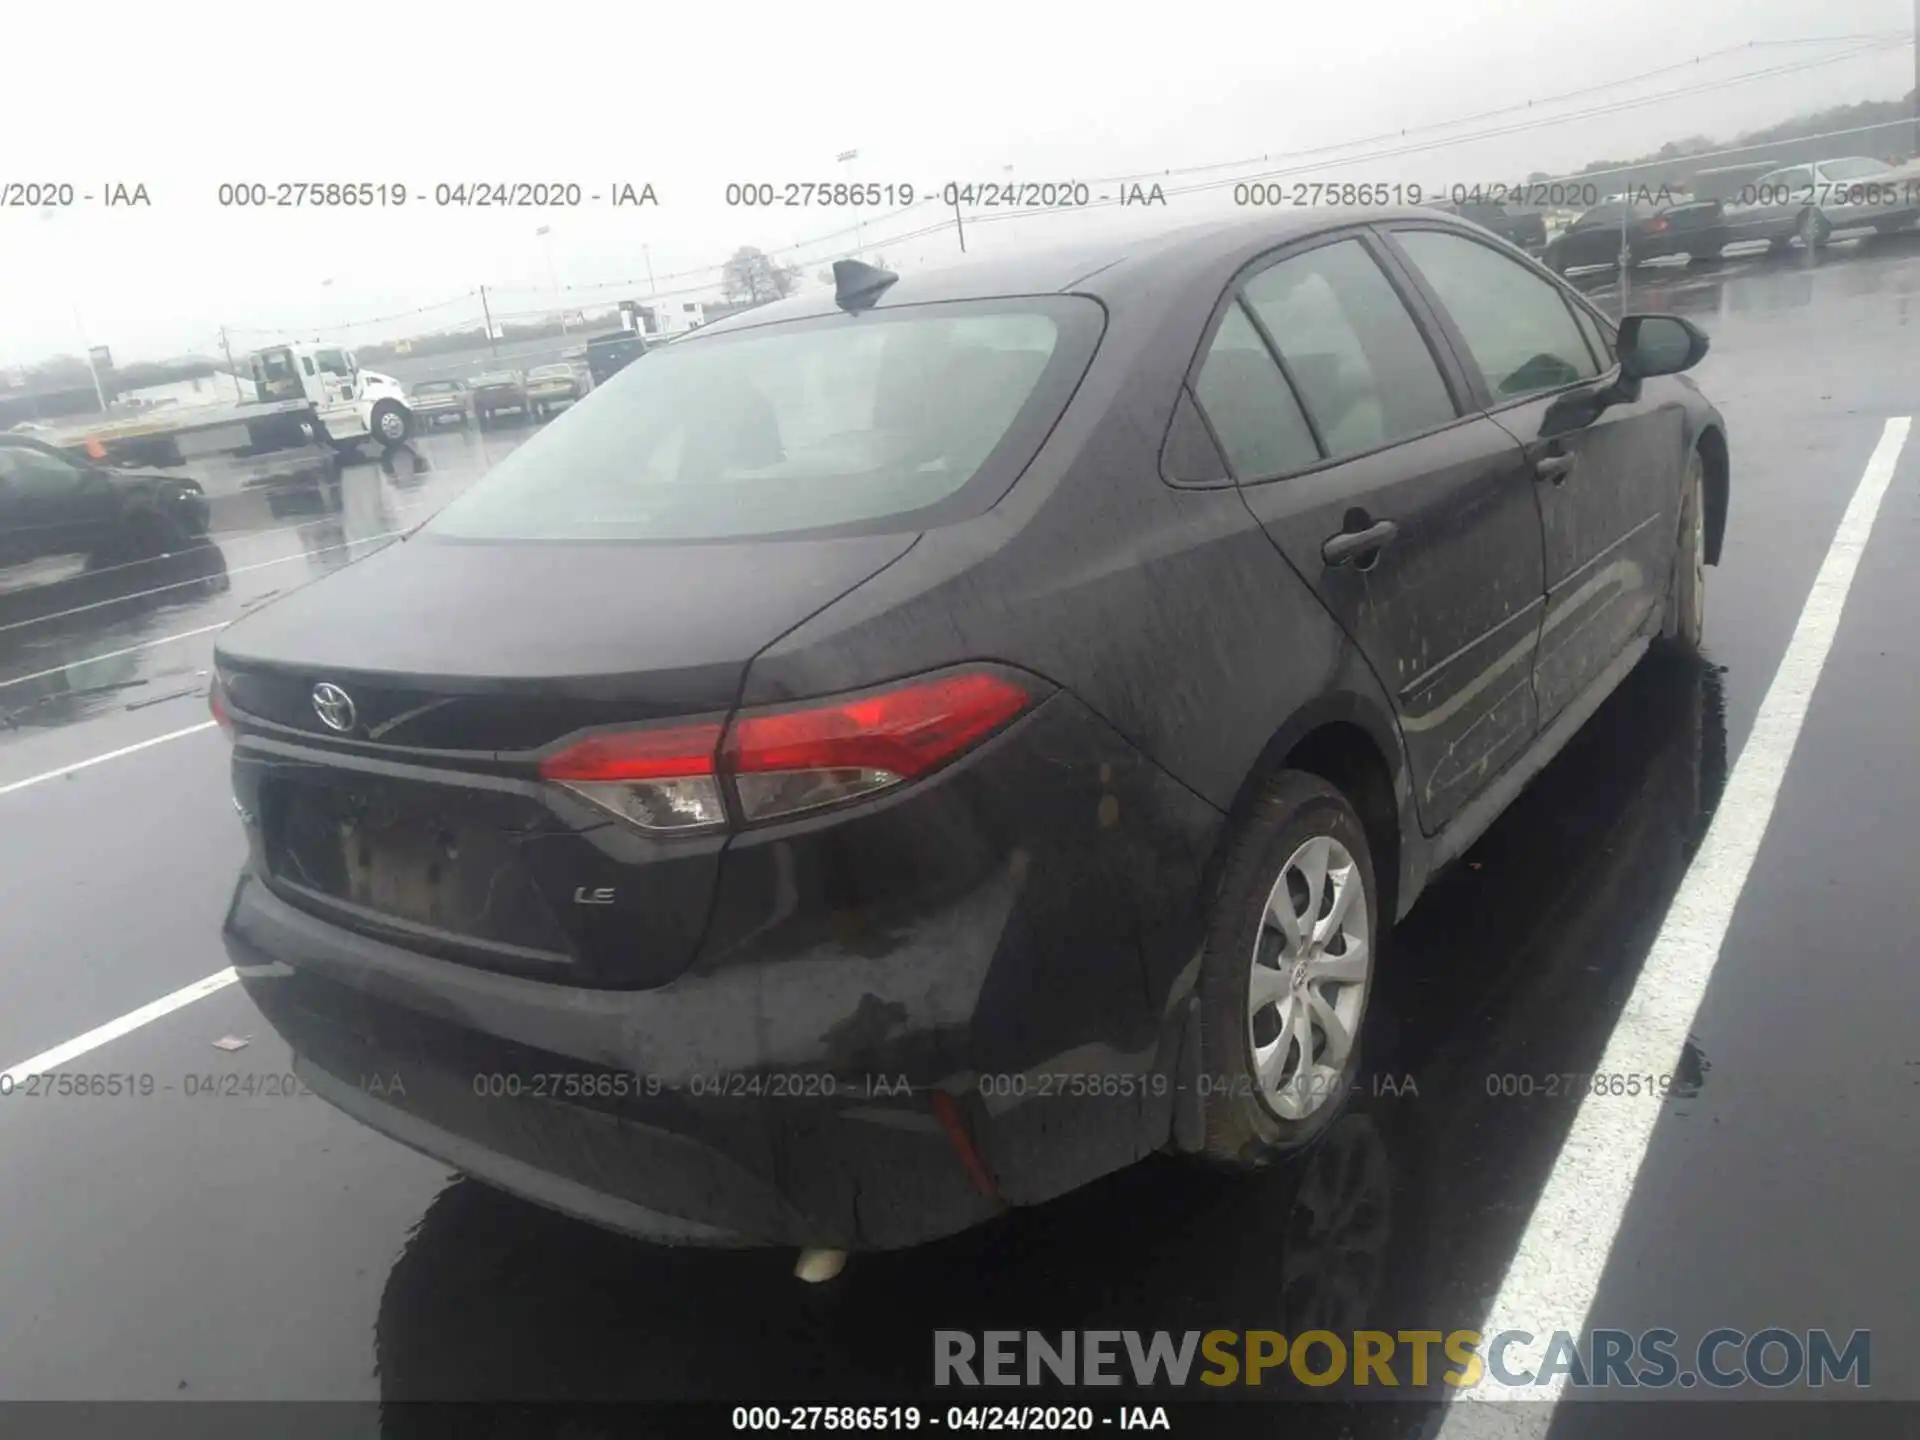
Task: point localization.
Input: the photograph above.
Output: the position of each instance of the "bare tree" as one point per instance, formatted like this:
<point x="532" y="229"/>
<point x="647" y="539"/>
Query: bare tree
<point x="753" y="275"/>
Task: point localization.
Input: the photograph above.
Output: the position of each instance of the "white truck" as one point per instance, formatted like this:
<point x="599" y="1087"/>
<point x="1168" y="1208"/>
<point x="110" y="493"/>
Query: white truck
<point x="303" y="395"/>
<point x="349" y="404"/>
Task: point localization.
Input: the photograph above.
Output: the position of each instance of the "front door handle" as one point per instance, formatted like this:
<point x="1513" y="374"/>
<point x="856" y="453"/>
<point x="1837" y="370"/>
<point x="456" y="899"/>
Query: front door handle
<point x="1555" y="467"/>
<point x="1341" y="548"/>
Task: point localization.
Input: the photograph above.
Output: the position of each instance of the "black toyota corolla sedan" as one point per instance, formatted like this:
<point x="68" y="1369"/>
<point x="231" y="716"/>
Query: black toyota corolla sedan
<point x="911" y="749"/>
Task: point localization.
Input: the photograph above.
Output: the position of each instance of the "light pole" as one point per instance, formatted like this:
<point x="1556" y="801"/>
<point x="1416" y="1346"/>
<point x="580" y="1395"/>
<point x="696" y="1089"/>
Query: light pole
<point x="80" y="329"/>
<point x="546" y="233"/>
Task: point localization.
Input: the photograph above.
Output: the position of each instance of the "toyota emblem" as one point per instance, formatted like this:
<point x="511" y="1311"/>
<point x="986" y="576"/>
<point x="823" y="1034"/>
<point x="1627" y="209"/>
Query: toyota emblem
<point x="334" y="707"/>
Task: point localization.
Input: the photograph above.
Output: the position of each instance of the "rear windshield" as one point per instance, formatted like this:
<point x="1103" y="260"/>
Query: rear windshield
<point x="1854" y="168"/>
<point x="549" y="372"/>
<point x="436" y="387"/>
<point x="1611" y="213"/>
<point x="846" y="421"/>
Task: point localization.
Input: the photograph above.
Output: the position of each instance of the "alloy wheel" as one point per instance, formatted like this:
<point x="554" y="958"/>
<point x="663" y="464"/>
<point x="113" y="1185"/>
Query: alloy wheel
<point x="1307" y="984"/>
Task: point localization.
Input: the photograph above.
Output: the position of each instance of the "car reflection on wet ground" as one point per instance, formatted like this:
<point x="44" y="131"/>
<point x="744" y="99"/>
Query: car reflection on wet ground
<point x="295" y="1255"/>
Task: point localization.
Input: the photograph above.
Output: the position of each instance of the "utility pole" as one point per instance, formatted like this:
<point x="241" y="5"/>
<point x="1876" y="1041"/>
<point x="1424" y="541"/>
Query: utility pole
<point x="553" y="278"/>
<point x="958" y="224"/>
<point x="1916" y="81"/>
<point x="487" y="314"/>
<point x="647" y="252"/>
<point x="1626" y="262"/>
<point x="227" y="346"/>
<point x="99" y="393"/>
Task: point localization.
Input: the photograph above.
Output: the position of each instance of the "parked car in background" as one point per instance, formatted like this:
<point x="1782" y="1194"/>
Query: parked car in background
<point x="713" y="746"/>
<point x="435" y="402"/>
<point x="1679" y="226"/>
<point x="54" y="504"/>
<point x="492" y="393"/>
<point x="551" y="386"/>
<point x="1807" y="204"/>
<point x="607" y="355"/>
<point x="1514" y="224"/>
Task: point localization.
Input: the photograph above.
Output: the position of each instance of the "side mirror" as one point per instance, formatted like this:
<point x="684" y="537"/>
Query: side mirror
<point x="1652" y="345"/>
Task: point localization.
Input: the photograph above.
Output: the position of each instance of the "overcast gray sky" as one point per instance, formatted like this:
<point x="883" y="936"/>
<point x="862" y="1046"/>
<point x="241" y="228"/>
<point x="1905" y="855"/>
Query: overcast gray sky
<point x="687" y="98"/>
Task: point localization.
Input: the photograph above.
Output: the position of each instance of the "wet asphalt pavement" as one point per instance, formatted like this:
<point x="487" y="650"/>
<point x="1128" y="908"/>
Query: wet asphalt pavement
<point x="215" y="1246"/>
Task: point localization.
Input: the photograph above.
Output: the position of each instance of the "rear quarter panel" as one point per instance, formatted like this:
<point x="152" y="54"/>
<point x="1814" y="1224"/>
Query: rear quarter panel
<point x="1167" y="611"/>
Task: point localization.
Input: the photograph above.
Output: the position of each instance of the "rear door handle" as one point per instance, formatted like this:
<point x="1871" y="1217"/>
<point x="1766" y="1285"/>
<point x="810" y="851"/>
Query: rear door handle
<point x="1348" y="543"/>
<point x="1555" y="467"/>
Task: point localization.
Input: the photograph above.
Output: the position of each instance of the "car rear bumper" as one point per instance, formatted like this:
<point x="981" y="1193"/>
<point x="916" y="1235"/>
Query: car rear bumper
<point x="867" y="1078"/>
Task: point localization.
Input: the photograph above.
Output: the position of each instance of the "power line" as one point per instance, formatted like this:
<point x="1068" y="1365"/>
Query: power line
<point x="1882" y="37"/>
<point x="1427" y="146"/>
<point x="1872" y="42"/>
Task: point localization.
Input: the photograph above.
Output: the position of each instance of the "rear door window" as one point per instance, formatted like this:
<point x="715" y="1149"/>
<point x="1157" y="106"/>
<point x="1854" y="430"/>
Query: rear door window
<point x="1365" y="374"/>
<point x="1248" y="403"/>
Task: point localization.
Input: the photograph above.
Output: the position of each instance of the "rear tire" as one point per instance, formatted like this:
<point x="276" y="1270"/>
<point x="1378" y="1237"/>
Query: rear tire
<point x="1683" y="627"/>
<point x="1275" y="991"/>
<point x="1812" y="230"/>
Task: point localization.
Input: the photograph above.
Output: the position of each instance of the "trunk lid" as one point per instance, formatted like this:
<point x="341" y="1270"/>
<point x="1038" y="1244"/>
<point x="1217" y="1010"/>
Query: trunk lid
<point x="418" y="816"/>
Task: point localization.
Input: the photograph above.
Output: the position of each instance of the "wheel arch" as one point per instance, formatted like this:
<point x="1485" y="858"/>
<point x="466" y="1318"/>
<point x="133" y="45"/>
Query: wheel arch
<point x="1712" y="445"/>
<point x="1348" y="740"/>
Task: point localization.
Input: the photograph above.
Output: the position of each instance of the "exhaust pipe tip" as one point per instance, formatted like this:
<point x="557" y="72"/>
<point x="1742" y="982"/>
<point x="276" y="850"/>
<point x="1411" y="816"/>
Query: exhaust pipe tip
<point x="816" y="1267"/>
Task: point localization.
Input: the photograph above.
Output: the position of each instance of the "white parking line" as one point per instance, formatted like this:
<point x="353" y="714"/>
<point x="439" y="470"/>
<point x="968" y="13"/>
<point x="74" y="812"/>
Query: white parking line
<point x="198" y="580"/>
<point x="102" y="759"/>
<point x="114" y="1029"/>
<point x="1556" y="1270"/>
<point x="113" y="654"/>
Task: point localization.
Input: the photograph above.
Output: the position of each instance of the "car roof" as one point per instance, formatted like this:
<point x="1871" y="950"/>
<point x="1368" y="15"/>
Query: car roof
<point x="1104" y="267"/>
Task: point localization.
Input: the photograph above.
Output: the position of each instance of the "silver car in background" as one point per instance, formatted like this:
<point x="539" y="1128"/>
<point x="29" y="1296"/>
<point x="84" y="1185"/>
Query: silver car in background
<point x="551" y="386"/>
<point x="436" y="401"/>
<point x="1807" y="204"/>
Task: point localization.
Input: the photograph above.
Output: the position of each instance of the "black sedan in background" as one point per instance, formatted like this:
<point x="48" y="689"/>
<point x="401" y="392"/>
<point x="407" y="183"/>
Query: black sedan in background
<point x="1655" y="226"/>
<point x="1514" y="224"/>
<point x="907" y="752"/>
<point x="53" y="504"/>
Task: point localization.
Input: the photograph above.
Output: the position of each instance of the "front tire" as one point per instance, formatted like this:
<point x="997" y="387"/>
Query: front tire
<point x="1286" y="972"/>
<point x="1683" y="627"/>
<point x="390" y="424"/>
<point x="1813" y="230"/>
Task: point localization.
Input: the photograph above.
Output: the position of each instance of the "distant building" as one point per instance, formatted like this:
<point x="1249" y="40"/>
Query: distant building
<point x="218" y="388"/>
<point x="662" y="319"/>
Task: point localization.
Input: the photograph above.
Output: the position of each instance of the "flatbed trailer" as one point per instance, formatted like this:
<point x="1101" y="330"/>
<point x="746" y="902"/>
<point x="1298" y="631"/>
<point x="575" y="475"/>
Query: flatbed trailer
<point x="174" y="437"/>
<point x="307" y="394"/>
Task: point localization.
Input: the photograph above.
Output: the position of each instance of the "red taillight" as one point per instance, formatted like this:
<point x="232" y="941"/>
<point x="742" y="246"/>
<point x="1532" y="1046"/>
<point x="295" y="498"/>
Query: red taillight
<point x="1656" y="225"/>
<point x="217" y="703"/>
<point x="905" y="732"/>
<point x="785" y="761"/>
<point x="671" y="753"/>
